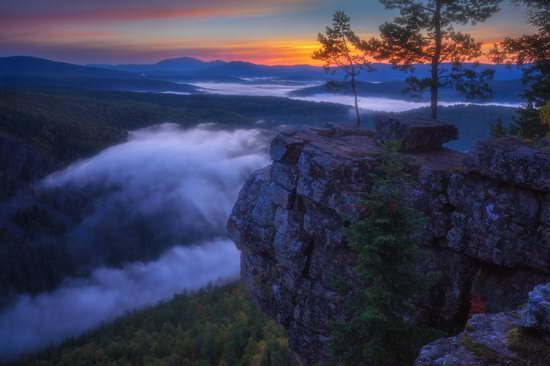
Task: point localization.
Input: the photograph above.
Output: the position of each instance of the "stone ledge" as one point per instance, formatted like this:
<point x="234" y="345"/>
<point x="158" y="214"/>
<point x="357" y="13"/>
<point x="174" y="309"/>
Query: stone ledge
<point x="416" y="135"/>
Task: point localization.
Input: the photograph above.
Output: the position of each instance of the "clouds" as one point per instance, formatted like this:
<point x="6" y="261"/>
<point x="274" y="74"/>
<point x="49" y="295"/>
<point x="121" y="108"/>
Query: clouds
<point x="137" y="31"/>
<point x="127" y="10"/>
<point x="125" y="31"/>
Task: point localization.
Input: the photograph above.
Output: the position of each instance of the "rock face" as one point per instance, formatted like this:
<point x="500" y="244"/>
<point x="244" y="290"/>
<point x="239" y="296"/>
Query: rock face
<point x="415" y="134"/>
<point x="488" y="231"/>
<point x="519" y="337"/>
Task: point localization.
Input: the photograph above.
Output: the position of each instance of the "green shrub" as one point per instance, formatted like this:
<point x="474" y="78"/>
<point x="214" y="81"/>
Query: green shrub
<point x="380" y="330"/>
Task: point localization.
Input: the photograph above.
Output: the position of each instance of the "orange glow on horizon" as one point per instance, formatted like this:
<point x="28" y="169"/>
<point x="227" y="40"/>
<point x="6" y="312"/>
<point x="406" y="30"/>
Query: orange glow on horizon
<point x="277" y="53"/>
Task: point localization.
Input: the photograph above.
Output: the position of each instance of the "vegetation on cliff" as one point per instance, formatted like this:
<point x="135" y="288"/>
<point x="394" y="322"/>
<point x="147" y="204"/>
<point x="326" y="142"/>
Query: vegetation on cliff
<point x="380" y="330"/>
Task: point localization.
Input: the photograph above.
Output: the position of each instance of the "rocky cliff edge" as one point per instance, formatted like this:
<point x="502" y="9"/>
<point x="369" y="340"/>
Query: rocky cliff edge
<point x="488" y="231"/>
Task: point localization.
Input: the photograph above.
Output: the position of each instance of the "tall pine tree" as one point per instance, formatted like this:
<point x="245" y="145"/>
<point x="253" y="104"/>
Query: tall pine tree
<point x="424" y="33"/>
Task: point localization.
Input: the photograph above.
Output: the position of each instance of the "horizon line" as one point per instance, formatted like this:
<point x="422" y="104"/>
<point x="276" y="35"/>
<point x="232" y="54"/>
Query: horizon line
<point x="206" y="60"/>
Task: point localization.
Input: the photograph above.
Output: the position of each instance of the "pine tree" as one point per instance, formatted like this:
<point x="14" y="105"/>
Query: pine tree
<point x="528" y="125"/>
<point x="424" y="33"/>
<point x="498" y="130"/>
<point x="339" y="52"/>
<point x="386" y="241"/>
<point x="532" y="53"/>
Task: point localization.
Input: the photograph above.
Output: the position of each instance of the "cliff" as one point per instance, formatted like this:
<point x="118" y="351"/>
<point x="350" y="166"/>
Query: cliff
<point x="488" y="231"/>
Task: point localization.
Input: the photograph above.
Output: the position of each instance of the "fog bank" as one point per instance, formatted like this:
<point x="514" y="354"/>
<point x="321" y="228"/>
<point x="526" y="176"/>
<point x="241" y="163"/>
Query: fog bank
<point x="283" y="89"/>
<point x="144" y="219"/>
<point x="80" y="304"/>
<point x="163" y="187"/>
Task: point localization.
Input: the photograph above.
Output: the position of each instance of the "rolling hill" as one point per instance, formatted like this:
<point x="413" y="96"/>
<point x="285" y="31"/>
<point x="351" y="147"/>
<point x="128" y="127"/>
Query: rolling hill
<point x="23" y="71"/>
<point x="34" y="66"/>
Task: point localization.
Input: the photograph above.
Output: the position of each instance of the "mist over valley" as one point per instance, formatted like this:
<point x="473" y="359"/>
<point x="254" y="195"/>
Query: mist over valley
<point x="154" y="207"/>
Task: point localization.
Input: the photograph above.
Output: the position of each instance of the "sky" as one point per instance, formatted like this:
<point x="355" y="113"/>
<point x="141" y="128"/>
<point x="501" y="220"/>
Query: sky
<point x="273" y="32"/>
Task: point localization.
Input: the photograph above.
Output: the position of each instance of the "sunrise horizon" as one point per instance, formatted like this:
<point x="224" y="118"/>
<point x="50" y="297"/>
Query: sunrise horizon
<point x="273" y="33"/>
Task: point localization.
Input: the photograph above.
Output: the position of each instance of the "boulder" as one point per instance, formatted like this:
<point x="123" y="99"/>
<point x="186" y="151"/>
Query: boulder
<point x="537" y="311"/>
<point x="416" y="135"/>
<point x="484" y="343"/>
<point x="518" y="337"/>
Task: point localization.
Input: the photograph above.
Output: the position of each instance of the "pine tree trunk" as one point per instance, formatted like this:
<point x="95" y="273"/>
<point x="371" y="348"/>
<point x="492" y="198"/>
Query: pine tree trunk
<point x="354" y="89"/>
<point x="434" y="90"/>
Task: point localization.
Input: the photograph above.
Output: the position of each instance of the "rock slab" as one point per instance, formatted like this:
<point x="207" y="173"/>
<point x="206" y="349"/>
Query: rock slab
<point x="416" y="135"/>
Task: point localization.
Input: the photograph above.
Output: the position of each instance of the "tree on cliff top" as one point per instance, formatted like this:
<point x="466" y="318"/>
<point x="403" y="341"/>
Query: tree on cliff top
<point x="339" y="52"/>
<point x="380" y="330"/>
<point x="532" y="53"/>
<point x="424" y="33"/>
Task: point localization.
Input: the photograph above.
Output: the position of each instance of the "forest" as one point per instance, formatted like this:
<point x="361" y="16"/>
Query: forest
<point x="214" y="326"/>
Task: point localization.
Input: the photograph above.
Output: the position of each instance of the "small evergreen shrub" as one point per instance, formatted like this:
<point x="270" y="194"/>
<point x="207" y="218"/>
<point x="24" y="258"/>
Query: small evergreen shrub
<point x="380" y="330"/>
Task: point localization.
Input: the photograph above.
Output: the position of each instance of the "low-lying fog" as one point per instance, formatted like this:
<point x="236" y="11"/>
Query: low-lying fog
<point x="282" y="88"/>
<point x="254" y="88"/>
<point x="36" y="322"/>
<point x="185" y="182"/>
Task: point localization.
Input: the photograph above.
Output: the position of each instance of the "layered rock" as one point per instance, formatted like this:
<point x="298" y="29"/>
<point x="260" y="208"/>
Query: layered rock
<point x="488" y="231"/>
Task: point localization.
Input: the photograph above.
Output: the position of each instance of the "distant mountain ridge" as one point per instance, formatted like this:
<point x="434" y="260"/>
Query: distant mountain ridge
<point x="178" y="64"/>
<point x="194" y="67"/>
<point x="34" y="66"/>
<point x="26" y="71"/>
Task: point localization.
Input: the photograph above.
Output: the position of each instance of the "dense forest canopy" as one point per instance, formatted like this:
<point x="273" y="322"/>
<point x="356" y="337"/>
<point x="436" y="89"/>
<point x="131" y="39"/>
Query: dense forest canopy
<point x="214" y="326"/>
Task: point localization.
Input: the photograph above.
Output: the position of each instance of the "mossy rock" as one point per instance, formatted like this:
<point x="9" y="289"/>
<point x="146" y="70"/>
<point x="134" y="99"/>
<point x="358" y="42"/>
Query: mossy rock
<point x="480" y="350"/>
<point x="469" y="327"/>
<point x="529" y="343"/>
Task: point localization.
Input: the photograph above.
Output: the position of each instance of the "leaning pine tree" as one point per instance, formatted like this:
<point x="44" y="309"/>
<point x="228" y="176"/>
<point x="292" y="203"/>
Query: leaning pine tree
<point x="424" y="34"/>
<point x="339" y="52"/>
<point x="379" y="330"/>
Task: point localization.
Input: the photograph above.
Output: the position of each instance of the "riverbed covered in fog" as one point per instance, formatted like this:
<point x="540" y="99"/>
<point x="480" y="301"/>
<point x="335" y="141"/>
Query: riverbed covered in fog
<point x="156" y="206"/>
<point x="285" y="88"/>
